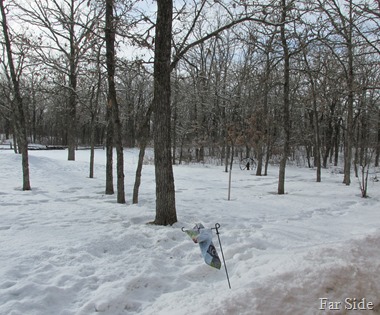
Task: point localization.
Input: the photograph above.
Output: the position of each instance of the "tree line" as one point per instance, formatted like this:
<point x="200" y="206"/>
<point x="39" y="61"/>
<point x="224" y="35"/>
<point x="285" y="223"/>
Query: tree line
<point x="211" y="78"/>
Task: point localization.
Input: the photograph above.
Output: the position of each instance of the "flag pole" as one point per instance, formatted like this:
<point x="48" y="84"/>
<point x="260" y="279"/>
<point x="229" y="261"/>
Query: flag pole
<point x="217" y="226"/>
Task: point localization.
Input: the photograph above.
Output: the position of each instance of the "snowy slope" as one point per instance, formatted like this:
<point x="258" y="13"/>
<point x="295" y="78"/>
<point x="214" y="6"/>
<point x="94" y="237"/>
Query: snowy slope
<point x="66" y="248"/>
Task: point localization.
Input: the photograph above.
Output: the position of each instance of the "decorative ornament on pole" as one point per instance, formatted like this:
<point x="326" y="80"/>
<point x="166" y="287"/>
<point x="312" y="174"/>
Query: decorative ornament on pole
<point x="199" y="234"/>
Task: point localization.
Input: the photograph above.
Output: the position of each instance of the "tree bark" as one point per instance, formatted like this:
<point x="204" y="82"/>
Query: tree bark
<point x="344" y="27"/>
<point x="72" y="108"/>
<point x="144" y="135"/>
<point x="112" y="101"/>
<point x="377" y="157"/>
<point x="94" y="106"/>
<point x="109" y="152"/>
<point x="350" y="115"/>
<point x="317" y="139"/>
<point x="136" y="187"/>
<point x="286" y="102"/>
<point x="18" y="104"/>
<point x="165" y="194"/>
<point x="130" y="136"/>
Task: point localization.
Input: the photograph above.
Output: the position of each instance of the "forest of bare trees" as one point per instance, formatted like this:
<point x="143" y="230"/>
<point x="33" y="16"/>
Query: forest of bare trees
<point x="197" y="80"/>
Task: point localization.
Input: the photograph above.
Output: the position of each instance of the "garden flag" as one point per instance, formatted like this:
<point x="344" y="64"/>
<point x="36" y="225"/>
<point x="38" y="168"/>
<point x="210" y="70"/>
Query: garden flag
<point x="199" y="234"/>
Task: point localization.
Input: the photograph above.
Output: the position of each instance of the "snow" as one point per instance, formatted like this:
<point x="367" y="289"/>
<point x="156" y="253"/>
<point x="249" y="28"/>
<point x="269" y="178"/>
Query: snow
<point x="67" y="248"/>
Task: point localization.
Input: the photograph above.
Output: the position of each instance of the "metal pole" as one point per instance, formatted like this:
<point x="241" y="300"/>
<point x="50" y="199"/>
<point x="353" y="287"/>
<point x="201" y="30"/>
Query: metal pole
<point x="217" y="225"/>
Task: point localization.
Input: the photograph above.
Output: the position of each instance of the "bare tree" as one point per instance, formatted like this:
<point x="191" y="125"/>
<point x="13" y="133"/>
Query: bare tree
<point x="369" y="14"/>
<point x="286" y="97"/>
<point x="66" y="34"/>
<point x="165" y="194"/>
<point x="143" y="131"/>
<point x="112" y="104"/>
<point x="92" y="98"/>
<point x="342" y="19"/>
<point x="18" y="102"/>
<point x="314" y="100"/>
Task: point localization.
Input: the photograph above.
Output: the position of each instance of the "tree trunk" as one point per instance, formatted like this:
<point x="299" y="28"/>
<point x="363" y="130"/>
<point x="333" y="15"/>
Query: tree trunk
<point x="265" y="143"/>
<point x="286" y="102"/>
<point x="112" y="101"/>
<point x="92" y="147"/>
<point x="317" y="153"/>
<point x="130" y="136"/>
<point x="260" y="157"/>
<point x="336" y="143"/>
<point x="317" y="139"/>
<point x="165" y="194"/>
<point x="175" y="101"/>
<point x="18" y="104"/>
<point x="135" y="198"/>
<point x="267" y="156"/>
<point x="14" y="136"/>
<point x="72" y="108"/>
<point x="350" y="119"/>
<point x="144" y="135"/>
<point x="94" y="105"/>
<point x="329" y="140"/>
<point x="227" y="156"/>
<point x="377" y="157"/>
<point x="71" y="123"/>
<point x="109" y="152"/>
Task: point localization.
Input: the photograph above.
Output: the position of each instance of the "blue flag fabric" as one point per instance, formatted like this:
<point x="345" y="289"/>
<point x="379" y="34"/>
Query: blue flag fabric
<point x="199" y="234"/>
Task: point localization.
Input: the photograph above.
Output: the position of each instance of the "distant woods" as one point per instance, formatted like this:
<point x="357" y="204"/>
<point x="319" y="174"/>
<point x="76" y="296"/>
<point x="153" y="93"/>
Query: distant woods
<point x="264" y="79"/>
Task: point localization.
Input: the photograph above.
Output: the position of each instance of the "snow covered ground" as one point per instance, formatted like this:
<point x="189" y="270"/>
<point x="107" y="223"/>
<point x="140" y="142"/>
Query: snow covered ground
<point x="66" y="248"/>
